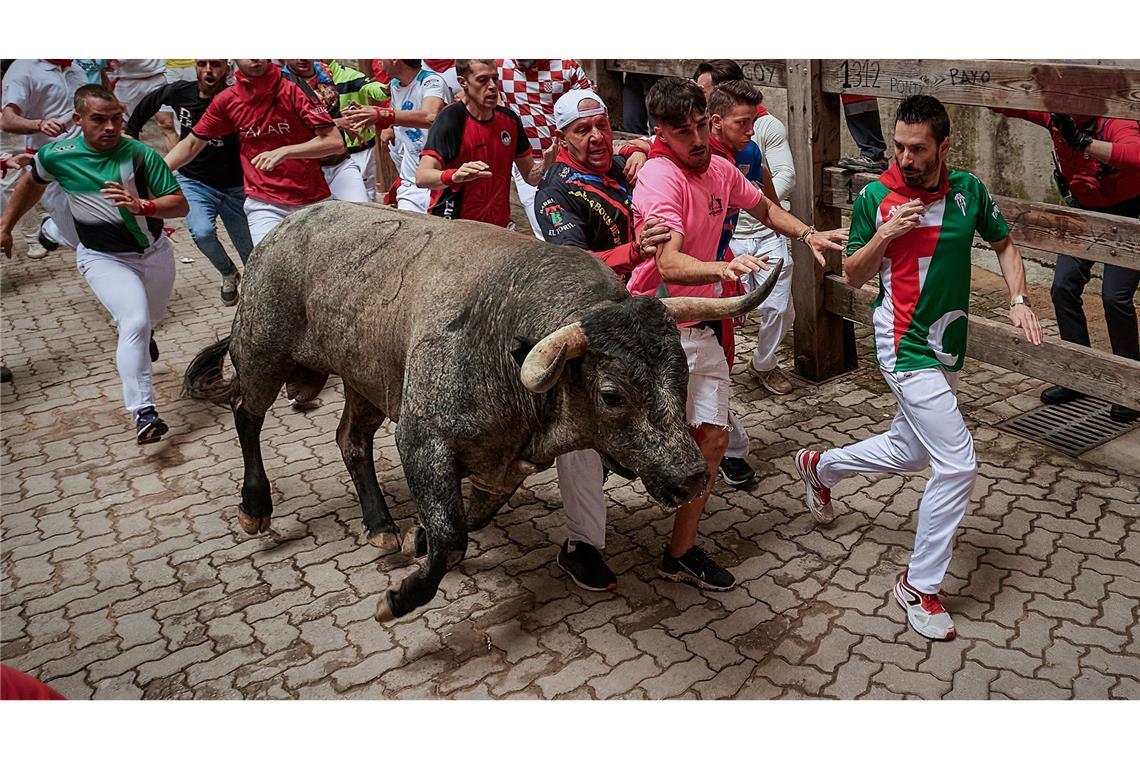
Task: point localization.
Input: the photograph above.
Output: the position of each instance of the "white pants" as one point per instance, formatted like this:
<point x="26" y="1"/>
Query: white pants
<point x="408" y="196"/>
<point x="263" y="216"/>
<point x="580" y="483"/>
<point x="928" y="430"/>
<point x="776" y="312"/>
<point x="707" y="399"/>
<point x="183" y="74"/>
<point x="131" y="91"/>
<point x="526" y="198"/>
<point x="365" y="160"/>
<point x="59" y="227"/>
<point x="738" y="443"/>
<point x="345" y="181"/>
<point x="135" y="288"/>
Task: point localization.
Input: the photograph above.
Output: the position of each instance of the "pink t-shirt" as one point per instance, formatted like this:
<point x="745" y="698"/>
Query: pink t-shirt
<point x="694" y="205"/>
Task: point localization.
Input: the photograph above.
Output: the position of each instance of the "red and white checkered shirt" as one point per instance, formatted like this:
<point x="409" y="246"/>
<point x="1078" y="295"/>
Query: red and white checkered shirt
<point x="531" y="94"/>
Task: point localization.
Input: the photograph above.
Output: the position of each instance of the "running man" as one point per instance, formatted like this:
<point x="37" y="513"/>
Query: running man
<point x="914" y="227"/>
<point x="120" y="191"/>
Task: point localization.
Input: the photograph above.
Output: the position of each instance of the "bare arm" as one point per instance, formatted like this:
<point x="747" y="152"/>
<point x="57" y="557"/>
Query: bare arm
<point x="172" y="206"/>
<point x="362" y="117"/>
<point x="12" y="120"/>
<point x="532" y="170"/>
<point x="430" y="173"/>
<point x="326" y="142"/>
<point x="772" y="216"/>
<point x="678" y="267"/>
<point x="184" y="152"/>
<point x="1013" y="271"/>
<point x="25" y="194"/>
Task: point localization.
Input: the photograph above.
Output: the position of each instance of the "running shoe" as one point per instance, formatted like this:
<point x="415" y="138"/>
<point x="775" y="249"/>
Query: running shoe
<point x="817" y="496"/>
<point x="696" y="568"/>
<point x="585" y="566"/>
<point x="736" y="472"/>
<point x="775" y="381"/>
<point x="230" y="289"/>
<point x="45" y="242"/>
<point x="863" y="164"/>
<point x="149" y="427"/>
<point x="924" y="612"/>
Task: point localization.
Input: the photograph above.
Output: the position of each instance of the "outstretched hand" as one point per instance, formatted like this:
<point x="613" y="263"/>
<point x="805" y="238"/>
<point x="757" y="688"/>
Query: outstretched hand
<point x="1022" y="316"/>
<point x="829" y="240"/>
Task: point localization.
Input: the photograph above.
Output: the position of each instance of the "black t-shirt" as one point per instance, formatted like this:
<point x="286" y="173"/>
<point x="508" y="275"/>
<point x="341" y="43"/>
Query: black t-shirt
<point x="457" y="137"/>
<point x="219" y="164"/>
<point x="583" y="209"/>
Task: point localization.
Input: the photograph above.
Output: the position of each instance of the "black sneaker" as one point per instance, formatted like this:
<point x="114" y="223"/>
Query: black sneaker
<point x="585" y="566"/>
<point x="1117" y="412"/>
<point x="1058" y="394"/>
<point x="47" y="243"/>
<point x="5" y="374"/>
<point x="153" y="348"/>
<point x="736" y="472"/>
<point x="230" y="289"/>
<point x="695" y="568"/>
<point x="149" y="427"/>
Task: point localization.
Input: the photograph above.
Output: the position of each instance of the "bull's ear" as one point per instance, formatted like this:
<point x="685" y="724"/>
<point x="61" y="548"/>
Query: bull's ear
<point x="520" y="348"/>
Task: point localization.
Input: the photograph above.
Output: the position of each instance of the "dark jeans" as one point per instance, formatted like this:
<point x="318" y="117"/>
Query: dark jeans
<point x="206" y="205"/>
<point x="866" y="129"/>
<point x="634" y="117"/>
<point x="1119" y="289"/>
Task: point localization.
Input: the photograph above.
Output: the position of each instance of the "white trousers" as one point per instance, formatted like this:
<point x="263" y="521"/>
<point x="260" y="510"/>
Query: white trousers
<point x="345" y="181"/>
<point x="776" y="313"/>
<point x="580" y="483"/>
<point x="135" y="288"/>
<point x="365" y="160"/>
<point x="738" y="443"/>
<point x="709" y="385"/>
<point x="408" y="196"/>
<point x="263" y="216"/>
<point x="526" y="198"/>
<point x="928" y="430"/>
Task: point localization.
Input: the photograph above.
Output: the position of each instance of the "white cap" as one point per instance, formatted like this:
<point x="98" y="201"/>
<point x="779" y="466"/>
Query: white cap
<point x="566" y="109"/>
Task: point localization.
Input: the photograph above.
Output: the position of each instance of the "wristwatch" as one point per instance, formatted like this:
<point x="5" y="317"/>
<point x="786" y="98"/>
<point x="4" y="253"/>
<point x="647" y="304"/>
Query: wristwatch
<point x="1018" y="300"/>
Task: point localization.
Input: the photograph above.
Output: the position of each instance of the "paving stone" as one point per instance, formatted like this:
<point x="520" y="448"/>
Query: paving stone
<point x="900" y="681"/>
<point x="1018" y="687"/>
<point x="571" y="676"/>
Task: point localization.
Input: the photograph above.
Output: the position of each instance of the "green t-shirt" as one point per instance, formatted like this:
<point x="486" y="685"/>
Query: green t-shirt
<point x="354" y="87"/>
<point x="82" y="172"/>
<point x="920" y="316"/>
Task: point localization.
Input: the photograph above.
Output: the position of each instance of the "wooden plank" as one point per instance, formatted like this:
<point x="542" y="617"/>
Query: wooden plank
<point x="822" y="349"/>
<point x="1042" y="227"/>
<point x="765" y="72"/>
<point x="1034" y="85"/>
<point x="608" y="84"/>
<point x="1097" y="373"/>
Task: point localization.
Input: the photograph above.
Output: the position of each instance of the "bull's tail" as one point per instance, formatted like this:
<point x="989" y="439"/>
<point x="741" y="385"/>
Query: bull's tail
<point x="203" y="379"/>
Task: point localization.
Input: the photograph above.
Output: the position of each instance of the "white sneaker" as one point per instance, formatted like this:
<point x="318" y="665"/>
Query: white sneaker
<point x="924" y="612"/>
<point x="817" y="496"/>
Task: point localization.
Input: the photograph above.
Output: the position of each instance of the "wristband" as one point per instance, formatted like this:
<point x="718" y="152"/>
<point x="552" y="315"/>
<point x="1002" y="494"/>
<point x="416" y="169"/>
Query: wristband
<point x="629" y="149"/>
<point x="147" y="207"/>
<point x="385" y="117"/>
<point x="446" y="176"/>
<point x="808" y="232"/>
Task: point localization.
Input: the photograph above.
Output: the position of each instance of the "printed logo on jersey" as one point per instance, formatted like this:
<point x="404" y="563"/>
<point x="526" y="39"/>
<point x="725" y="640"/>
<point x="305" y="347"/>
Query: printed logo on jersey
<point x="505" y="136"/>
<point x="961" y="201"/>
<point x="554" y="213"/>
<point x="716" y="206"/>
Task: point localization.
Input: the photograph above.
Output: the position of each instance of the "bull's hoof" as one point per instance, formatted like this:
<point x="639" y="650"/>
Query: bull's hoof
<point x="414" y="543"/>
<point x="253" y="525"/>
<point x="385" y="542"/>
<point x="384" y="608"/>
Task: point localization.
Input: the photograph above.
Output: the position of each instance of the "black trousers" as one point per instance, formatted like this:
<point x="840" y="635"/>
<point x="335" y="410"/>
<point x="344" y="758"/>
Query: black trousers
<point x="1120" y="284"/>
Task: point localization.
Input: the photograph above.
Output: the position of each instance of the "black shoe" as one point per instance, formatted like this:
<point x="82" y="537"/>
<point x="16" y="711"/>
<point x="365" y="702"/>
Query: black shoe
<point x="153" y="348"/>
<point x="585" y="566"/>
<point x="697" y="569"/>
<point x="1059" y="395"/>
<point x="5" y="375"/>
<point x="736" y="472"/>
<point x="47" y="243"/>
<point x="1119" y="413"/>
<point x="149" y="427"/>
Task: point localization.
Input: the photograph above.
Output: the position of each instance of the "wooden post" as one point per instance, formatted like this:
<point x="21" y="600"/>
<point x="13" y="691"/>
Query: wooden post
<point x="824" y="343"/>
<point x="608" y="85"/>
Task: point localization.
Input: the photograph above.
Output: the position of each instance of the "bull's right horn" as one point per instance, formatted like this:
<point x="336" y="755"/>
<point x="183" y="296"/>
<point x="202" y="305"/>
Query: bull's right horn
<point x="544" y="363"/>
<point x="686" y="309"/>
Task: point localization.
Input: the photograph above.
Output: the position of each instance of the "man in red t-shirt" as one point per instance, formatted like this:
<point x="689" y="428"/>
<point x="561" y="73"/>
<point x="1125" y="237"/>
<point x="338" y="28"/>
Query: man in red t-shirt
<point x="470" y="150"/>
<point x="282" y="135"/>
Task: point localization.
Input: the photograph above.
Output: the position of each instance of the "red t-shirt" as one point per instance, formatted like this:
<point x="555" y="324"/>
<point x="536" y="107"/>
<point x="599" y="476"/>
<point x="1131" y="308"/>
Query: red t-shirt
<point x="277" y="116"/>
<point x="17" y="685"/>
<point x="457" y="137"/>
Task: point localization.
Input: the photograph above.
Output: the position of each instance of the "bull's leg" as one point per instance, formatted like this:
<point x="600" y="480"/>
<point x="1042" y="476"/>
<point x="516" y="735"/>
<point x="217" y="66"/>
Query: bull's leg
<point x="354" y="435"/>
<point x="481" y="509"/>
<point x="256" y="500"/>
<point x="433" y="478"/>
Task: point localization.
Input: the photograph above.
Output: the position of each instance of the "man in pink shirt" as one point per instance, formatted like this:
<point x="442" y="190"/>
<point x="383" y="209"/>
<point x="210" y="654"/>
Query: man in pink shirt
<point x="692" y="192"/>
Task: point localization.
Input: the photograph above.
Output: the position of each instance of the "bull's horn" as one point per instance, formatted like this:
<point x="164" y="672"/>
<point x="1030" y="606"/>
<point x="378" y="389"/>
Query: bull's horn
<point x="543" y="364"/>
<point x="683" y="309"/>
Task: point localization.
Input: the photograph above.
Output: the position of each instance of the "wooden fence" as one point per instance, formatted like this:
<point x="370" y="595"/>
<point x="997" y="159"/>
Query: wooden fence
<point x="823" y="343"/>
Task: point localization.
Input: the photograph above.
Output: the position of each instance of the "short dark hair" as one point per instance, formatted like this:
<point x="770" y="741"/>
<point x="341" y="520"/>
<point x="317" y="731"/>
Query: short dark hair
<point x="97" y="91"/>
<point x="722" y="70"/>
<point x="412" y="63"/>
<point x="672" y="100"/>
<point x="463" y="66"/>
<point x="925" y="109"/>
<point x="735" y="92"/>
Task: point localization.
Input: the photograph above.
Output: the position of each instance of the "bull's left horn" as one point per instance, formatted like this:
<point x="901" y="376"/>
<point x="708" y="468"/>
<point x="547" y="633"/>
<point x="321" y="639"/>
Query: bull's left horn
<point x="683" y="309"/>
<point x="543" y="364"/>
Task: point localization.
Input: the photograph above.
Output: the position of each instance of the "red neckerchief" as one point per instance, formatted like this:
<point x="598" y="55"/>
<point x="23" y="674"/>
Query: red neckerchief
<point x="893" y="179"/>
<point x="564" y="157"/>
<point x="761" y="111"/>
<point x="718" y="149"/>
<point x="658" y="149"/>
<point x="258" y="90"/>
<point x="439" y="65"/>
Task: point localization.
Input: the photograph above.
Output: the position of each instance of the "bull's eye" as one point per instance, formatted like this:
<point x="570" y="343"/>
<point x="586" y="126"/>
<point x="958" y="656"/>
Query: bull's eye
<point x="612" y="398"/>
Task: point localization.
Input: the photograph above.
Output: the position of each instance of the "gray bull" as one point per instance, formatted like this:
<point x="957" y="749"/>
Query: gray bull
<point x="493" y="351"/>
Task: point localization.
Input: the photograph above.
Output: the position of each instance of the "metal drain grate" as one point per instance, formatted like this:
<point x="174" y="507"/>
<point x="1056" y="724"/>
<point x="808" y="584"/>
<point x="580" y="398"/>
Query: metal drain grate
<point x="1073" y="428"/>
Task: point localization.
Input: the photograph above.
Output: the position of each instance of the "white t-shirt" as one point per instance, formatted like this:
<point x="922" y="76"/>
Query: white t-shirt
<point x="772" y="137"/>
<point x="427" y="84"/>
<point x="140" y="68"/>
<point x="42" y="90"/>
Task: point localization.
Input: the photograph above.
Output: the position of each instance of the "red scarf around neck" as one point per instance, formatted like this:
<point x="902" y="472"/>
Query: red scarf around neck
<point x="893" y="179"/>
<point x="256" y="90"/>
<point x="564" y="157"/>
<point x="658" y="149"/>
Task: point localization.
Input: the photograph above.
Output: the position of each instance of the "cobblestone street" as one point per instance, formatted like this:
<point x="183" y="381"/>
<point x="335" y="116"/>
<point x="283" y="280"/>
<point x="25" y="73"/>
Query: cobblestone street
<point x="125" y="574"/>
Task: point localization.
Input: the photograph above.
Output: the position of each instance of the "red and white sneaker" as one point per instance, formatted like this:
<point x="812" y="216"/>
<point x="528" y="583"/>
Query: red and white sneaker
<point x="817" y="496"/>
<point x="924" y="612"/>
